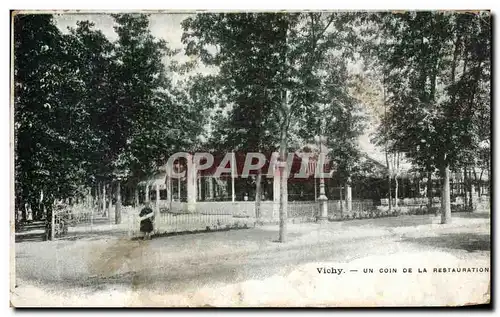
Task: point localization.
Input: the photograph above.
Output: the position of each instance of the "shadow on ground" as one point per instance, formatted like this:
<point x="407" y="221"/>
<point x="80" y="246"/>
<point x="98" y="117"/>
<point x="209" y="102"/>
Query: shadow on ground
<point x="470" y="242"/>
<point x="481" y="215"/>
<point x="31" y="231"/>
<point x="391" y="222"/>
<point x="30" y="237"/>
<point x="409" y="220"/>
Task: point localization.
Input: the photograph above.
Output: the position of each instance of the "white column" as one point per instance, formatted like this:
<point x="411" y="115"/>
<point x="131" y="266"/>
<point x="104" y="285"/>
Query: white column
<point x="348" y="197"/>
<point x="233" y="167"/>
<point x="157" y="209"/>
<point x="210" y="187"/>
<point x="199" y="187"/>
<point x="146" y="197"/>
<point x="323" y="200"/>
<point x="168" y="185"/>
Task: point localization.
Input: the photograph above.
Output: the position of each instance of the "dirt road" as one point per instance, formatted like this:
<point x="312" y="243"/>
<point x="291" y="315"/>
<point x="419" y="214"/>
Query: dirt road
<point x="190" y="263"/>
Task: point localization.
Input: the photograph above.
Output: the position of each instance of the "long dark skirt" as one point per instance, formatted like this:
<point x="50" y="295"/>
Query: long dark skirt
<point x="146" y="225"/>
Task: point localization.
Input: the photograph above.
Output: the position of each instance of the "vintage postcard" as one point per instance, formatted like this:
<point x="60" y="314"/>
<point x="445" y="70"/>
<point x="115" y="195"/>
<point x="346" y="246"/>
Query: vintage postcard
<point x="251" y="159"/>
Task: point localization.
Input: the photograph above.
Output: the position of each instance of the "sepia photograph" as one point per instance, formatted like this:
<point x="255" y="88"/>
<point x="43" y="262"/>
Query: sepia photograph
<point x="267" y="159"/>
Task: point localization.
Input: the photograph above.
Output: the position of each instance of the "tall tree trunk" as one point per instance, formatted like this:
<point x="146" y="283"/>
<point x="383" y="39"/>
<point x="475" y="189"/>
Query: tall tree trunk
<point x="452" y="185"/>
<point x="389" y="179"/>
<point x="464" y="186"/>
<point x="99" y="196"/>
<point x="396" y="184"/>
<point x="110" y="200"/>
<point x="396" y="174"/>
<point x="341" y="199"/>
<point x="136" y="196"/>
<point x="429" y="191"/>
<point x="469" y="185"/>
<point x="445" y="201"/>
<point x="42" y="206"/>
<point x="477" y="182"/>
<point x="103" y="194"/>
<point x="481" y="190"/>
<point x="418" y="188"/>
<point x="489" y="176"/>
<point x="385" y="148"/>
<point x="283" y="177"/>
<point x="52" y="220"/>
<point x="118" y="214"/>
<point x="258" y="193"/>
<point x="24" y="211"/>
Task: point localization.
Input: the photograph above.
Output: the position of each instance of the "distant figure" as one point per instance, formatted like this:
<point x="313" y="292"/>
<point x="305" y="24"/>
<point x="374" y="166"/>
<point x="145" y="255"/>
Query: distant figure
<point x="246" y="197"/>
<point x="29" y="213"/>
<point x="146" y="216"/>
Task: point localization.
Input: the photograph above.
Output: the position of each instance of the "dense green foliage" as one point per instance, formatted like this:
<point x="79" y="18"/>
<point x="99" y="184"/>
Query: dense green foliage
<point x="89" y="110"/>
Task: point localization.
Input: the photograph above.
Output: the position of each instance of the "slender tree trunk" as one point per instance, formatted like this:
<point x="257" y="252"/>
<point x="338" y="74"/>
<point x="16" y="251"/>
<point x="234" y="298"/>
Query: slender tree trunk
<point x="464" y="186"/>
<point x="341" y="202"/>
<point x="471" y="203"/>
<point x="477" y="182"/>
<point x="445" y="201"/>
<point x="396" y="174"/>
<point x="103" y="194"/>
<point x="52" y="223"/>
<point x="258" y="195"/>
<point x="24" y="212"/>
<point x="283" y="177"/>
<point x="429" y="191"/>
<point x="118" y="214"/>
<point x="481" y="190"/>
<point x="110" y="200"/>
<point x="418" y="188"/>
<point x="389" y="179"/>
<point x="386" y="151"/>
<point x="99" y="196"/>
<point x="452" y="185"/>
<point x="489" y="177"/>
<point x="396" y="191"/>
<point x="136" y="196"/>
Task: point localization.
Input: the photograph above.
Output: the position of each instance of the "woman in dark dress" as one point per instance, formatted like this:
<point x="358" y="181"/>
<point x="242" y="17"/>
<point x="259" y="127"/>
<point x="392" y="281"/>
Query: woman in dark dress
<point x="146" y="216"/>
